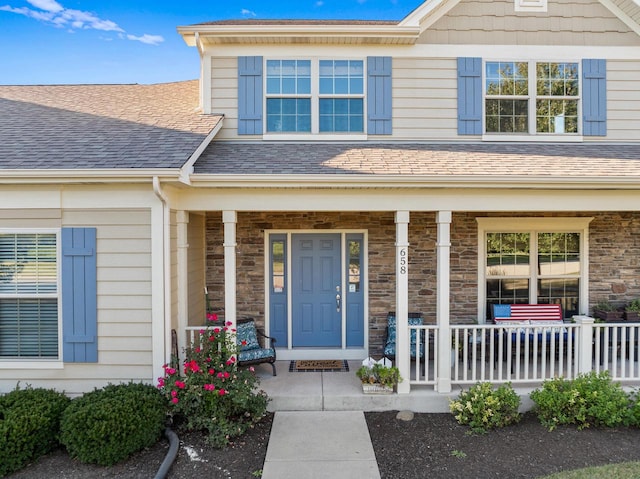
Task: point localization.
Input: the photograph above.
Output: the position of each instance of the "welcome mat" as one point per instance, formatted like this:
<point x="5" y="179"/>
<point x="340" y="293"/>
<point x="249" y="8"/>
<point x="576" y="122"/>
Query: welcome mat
<point x="318" y="365"/>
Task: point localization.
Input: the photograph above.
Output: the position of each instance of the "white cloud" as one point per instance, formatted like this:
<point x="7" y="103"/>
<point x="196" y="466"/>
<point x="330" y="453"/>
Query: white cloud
<point x="47" y="5"/>
<point x="319" y="3"/>
<point x="148" y="39"/>
<point x="52" y="12"/>
<point x="247" y="13"/>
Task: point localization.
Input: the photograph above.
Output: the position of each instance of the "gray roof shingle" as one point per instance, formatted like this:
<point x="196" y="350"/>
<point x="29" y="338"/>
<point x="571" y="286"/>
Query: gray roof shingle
<point x="100" y="126"/>
<point x="447" y="159"/>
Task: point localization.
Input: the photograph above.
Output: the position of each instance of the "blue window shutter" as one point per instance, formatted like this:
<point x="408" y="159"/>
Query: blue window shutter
<point x="379" y="95"/>
<point x="249" y="95"/>
<point x="79" y="296"/>
<point x="470" y="96"/>
<point x="594" y="97"/>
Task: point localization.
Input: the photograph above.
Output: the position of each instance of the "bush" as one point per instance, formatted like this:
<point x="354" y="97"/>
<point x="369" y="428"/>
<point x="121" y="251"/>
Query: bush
<point x="29" y="426"/>
<point x="213" y="396"/>
<point x="108" y="425"/>
<point x="483" y="408"/>
<point x="588" y="400"/>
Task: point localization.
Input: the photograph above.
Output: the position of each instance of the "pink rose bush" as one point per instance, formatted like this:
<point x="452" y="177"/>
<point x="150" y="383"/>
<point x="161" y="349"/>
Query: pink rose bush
<point x="209" y="392"/>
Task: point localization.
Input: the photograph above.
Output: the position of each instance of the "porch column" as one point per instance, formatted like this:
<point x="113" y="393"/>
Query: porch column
<point x="230" y="218"/>
<point x="443" y="379"/>
<point x="402" y="300"/>
<point x="182" y="273"/>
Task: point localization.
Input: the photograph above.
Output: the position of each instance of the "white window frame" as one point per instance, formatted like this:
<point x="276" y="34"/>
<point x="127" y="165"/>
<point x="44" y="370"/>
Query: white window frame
<point x="533" y="226"/>
<point x="39" y="363"/>
<point x="315" y="103"/>
<point x="531" y="97"/>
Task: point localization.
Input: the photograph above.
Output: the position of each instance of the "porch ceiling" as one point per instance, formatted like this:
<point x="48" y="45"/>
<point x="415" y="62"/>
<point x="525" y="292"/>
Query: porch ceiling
<point x="385" y="164"/>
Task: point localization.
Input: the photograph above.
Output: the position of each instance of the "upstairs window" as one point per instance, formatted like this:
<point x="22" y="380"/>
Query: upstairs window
<point x="288" y="96"/>
<point x="531" y="97"/>
<point x="341" y="102"/>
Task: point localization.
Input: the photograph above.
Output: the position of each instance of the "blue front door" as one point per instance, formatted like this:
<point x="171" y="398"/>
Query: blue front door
<point x="316" y="290"/>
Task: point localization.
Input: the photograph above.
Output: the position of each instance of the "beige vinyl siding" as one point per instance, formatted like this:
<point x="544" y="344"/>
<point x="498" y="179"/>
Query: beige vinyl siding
<point x="623" y="100"/>
<point x="495" y="22"/>
<point x="224" y="93"/>
<point x="196" y="261"/>
<point x="124" y="301"/>
<point x="30" y="218"/>
<point x="424" y="98"/>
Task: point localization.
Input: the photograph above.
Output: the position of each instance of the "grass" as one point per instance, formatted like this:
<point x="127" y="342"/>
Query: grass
<point x="625" y="470"/>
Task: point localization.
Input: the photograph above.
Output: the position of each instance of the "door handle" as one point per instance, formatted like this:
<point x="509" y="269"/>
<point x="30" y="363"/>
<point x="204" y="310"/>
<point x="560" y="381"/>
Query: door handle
<point x="338" y="302"/>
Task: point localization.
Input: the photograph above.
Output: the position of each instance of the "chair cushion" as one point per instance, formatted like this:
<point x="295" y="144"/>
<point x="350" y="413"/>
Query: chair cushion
<point x="246" y="336"/>
<point x="256" y="354"/>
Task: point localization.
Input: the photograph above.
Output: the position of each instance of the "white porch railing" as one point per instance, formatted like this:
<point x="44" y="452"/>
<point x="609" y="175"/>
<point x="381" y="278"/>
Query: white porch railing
<point x="527" y="354"/>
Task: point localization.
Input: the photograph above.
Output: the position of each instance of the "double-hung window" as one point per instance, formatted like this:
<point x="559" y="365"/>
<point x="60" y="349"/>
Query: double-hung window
<point x="534" y="261"/>
<point x="29" y="295"/>
<point x="288" y="96"/>
<point x="311" y="96"/>
<point x="531" y="97"/>
<point x="341" y="101"/>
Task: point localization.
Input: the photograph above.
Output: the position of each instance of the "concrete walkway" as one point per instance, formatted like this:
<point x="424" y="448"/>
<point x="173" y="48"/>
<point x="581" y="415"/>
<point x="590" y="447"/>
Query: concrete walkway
<point x="320" y="444"/>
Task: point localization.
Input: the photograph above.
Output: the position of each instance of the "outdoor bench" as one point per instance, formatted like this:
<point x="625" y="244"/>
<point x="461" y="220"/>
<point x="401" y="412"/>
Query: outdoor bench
<point x="414" y="319"/>
<point x="250" y="351"/>
<point x="530" y="322"/>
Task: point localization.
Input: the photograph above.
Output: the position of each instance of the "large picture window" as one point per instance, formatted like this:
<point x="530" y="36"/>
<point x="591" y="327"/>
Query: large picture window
<point x="531" y="97"/>
<point x="534" y="261"/>
<point x="28" y="295"/>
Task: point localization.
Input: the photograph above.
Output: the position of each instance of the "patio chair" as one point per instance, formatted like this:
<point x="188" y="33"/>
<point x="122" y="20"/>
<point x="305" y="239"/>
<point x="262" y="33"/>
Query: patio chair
<point x="250" y="351"/>
<point x="415" y="319"/>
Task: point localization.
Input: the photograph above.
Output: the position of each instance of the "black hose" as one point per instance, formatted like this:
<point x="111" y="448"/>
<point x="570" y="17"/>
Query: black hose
<point x="174" y="444"/>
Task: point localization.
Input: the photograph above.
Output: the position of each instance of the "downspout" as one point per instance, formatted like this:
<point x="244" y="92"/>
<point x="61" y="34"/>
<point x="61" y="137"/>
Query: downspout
<point x="166" y="279"/>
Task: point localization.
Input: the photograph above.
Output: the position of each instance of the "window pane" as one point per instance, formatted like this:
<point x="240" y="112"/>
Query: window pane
<point x="557" y="79"/>
<point x="341" y="115"/>
<point x="559" y="254"/>
<point x="506" y="78"/>
<point x="28" y="263"/>
<point x="288" y="114"/>
<point x="354" y="266"/>
<point x="507" y="291"/>
<point x="560" y="291"/>
<point x="506" y="116"/>
<point x="341" y="77"/>
<point x="507" y="254"/>
<point x="291" y="77"/>
<point x="277" y="266"/>
<point x="29" y="328"/>
<point x="556" y="116"/>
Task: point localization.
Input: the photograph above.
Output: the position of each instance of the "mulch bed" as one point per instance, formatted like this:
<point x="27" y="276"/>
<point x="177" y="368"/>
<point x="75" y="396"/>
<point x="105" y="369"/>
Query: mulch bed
<point x="430" y="445"/>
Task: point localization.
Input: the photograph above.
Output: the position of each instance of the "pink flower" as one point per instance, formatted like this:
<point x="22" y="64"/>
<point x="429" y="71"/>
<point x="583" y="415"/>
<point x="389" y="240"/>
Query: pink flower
<point x="202" y="331"/>
<point x="174" y="400"/>
<point x="174" y="393"/>
<point x="220" y="375"/>
<point x="191" y="366"/>
<point x="228" y="323"/>
<point x="226" y="374"/>
<point x="160" y="382"/>
<point x="209" y="387"/>
<point x="171" y="371"/>
<point x="222" y="392"/>
<point x="252" y="369"/>
<point x="212" y="317"/>
<point x="180" y="384"/>
<point x="211" y="372"/>
<point x="216" y="330"/>
<point x="212" y="338"/>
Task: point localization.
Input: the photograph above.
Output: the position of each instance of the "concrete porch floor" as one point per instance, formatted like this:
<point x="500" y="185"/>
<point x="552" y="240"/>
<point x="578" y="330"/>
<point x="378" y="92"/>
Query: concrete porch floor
<point x="341" y="391"/>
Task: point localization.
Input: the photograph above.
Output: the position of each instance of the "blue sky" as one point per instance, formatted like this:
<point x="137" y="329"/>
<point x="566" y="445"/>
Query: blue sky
<point x="129" y="41"/>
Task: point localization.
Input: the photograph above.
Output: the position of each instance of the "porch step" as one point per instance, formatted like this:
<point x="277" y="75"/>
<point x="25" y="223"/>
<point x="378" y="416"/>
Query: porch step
<point x="340" y="391"/>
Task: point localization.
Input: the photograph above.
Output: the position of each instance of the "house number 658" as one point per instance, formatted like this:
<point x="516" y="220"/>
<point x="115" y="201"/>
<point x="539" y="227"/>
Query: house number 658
<point x="403" y="260"/>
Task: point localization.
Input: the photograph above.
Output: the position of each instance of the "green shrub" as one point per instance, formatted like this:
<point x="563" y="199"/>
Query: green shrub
<point x="484" y="408"/>
<point x="213" y="395"/>
<point x="108" y="425"/>
<point x="590" y="399"/>
<point x="29" y="426"/>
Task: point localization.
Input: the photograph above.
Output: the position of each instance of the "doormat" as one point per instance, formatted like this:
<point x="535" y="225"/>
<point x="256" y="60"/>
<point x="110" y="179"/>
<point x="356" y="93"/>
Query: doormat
<point x="318" y="365"/>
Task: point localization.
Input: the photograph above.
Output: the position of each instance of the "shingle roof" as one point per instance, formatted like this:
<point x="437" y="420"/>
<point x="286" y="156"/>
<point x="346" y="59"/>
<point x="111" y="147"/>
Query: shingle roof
<point x="451" y="159"/>
<point x="259" y="22"/>
<point x="100" y="126"/>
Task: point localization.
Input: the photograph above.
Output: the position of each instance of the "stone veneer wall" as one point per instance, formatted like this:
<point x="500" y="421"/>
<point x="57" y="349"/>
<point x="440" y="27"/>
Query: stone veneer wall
<point x="614" y="260"/>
